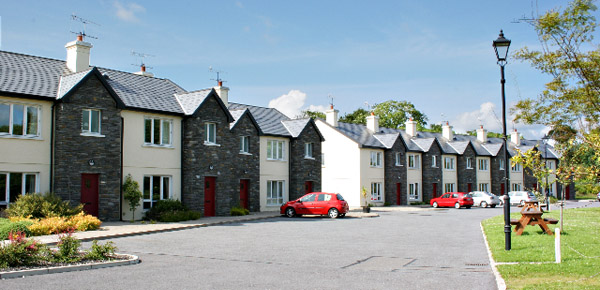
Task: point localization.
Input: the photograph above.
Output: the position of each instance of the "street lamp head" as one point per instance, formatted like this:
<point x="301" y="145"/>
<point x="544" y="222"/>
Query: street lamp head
<point x="501" y="47"/>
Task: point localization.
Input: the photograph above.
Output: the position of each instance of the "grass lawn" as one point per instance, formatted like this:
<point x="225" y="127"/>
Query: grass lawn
<point x="580" y="267"/>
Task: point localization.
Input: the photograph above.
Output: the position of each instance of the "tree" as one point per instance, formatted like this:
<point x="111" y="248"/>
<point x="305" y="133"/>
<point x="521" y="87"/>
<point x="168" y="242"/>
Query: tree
<point x="311" y="114"/>
<point x="570" y="102"/>
<point x="359" y="116"/>
<point x="393" y="114"/>
<point x="132" y="194"/>
<point x="531" y="159"/>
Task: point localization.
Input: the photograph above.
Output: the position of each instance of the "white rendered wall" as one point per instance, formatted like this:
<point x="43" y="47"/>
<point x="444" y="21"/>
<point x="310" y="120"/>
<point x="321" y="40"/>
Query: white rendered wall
<point x="414" y="175"/>
<point x="273" y="170"/>
<point x="484" y="176"/>
<point x="449" y="175"/>
<point x="371" y="175"/>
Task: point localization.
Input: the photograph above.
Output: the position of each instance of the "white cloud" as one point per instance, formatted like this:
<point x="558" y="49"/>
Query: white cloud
<point x="128" y="11"/>
<point x="292" y="104"/>
<point x="239" y="4"/>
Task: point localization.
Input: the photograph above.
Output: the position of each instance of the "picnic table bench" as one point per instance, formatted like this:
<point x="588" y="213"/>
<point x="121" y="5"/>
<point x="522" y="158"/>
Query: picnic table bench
<point x="531" y="215"/>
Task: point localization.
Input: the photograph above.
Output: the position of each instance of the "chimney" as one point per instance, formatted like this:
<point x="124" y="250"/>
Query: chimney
<point x="482" y="134"/>
<point x="447" y="131"/>
<point x="223" y="92"/>
<point x="515" y="138"/>
<point x="331" y="116"/>
<point x="143" y="72"/>
<point x="411" y="127"/>
<point x="78" y="54"/>
<point x="373" y="123"/>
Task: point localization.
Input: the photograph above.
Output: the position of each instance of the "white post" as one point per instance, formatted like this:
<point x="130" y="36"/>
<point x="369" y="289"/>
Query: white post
<point x="557" y="245"/>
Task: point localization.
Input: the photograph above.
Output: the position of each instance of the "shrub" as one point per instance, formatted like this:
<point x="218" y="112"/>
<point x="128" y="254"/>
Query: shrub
<point x="101" y="252"/>
<point x="68" y="248"/>
<point x="14" y="227"/>
<point x="239" y="211"/>
<point x="132" y="194"/>
<point x="57" y="225"/>
<point x="179" y="215"/>
<point x="20" y="251"/>
<point x="162" y="206"/>
<point x="37" y="205"/>
<point x="85" y="222"/>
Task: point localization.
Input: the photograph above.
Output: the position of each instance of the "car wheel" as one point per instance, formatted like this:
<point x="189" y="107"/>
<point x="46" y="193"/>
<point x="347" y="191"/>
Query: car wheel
<point x="333" y="213"/>
<point x="493" y="206"/>
<point x="435" y="204"/>
<point x="484" y="204"/>
<point x="457" y="205"/>
<point x="290" y="212"/>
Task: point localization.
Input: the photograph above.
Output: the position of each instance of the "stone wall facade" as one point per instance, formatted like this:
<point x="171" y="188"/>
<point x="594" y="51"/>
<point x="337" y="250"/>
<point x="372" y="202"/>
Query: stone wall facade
<point x="304" y="169"/>
<point x="245" y="166"/>
<point x="497" y="175"/>
<point x="432" y="174"/>
<point x="466" y="176"/>
<point x="76" y="154"/>
<point x="395" y="174"/>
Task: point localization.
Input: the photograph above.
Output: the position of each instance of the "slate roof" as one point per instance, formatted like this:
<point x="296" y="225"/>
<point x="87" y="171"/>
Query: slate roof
<point x="30" y="75"/>
<point x="268" y="119"/>
<point x="191" y="101"/>
<point x="295" y="127"/>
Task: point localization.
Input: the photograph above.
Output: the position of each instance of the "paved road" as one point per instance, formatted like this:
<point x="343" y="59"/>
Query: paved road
<point x="430" y="249"/>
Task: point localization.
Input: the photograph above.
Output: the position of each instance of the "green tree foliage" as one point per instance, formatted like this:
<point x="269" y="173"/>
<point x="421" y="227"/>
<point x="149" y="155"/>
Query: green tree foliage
<point x="359" y="116"/>
<point x="311" y="114"/>
<point x="132" y="194"/>
<point x="393" y="114"/>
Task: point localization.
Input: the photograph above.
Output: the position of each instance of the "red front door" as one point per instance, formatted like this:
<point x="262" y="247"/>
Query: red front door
<point x="209" y="196"/>
<point x="434" y="194"/>
<point x="244" y="193"/>
<point x="501" y="188"/>
<point x="398" y="192"/>
<point x="568" y="191"/>
<point x="308" y="187"/>
<point x="89" y="193"/>
<point x="469" y="187"/>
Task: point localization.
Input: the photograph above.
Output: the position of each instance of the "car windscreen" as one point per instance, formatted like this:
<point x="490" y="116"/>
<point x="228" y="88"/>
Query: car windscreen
<point x="466" y="195"/>
<point x="339" y="197"/>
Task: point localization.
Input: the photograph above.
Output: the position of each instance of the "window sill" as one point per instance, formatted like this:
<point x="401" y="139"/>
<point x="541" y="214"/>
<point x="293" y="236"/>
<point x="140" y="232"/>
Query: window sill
<point x="211" y="144"/>
<point x="147" y="145"/>
<point x="87" y="134"/>
<point x="413" y="168"/>
<point x="245" y="153"/>
<point x="276" y="160"/>
<point x="398" y="165"/>
<point x="309" y="158"/>
<point x="376" y="166"/>
<point x="22" y="137"/>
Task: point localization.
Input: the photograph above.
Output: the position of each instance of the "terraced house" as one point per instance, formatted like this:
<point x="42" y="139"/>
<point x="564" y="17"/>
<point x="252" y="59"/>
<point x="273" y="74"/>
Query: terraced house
<point x="400" y="167"/>
<point x="79" y="130"/>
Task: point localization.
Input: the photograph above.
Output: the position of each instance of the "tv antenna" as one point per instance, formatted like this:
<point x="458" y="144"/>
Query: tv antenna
<point x="85" y="22"/>
<point x="331" y="97"/>
<point x="529" y="19"/>
<point x="369" y="107"/>
<point x="218" y="72"/>
<point x="141" y="55"/>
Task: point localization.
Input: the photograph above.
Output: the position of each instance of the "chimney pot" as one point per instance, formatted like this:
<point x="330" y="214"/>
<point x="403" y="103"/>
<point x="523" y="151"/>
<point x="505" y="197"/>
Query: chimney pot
<point x="79" y="37"/>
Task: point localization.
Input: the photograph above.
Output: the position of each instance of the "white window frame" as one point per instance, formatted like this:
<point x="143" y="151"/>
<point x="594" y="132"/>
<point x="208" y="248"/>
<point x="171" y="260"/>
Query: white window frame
<point x="308" y="150"/>
<point x="398" y="159"/>
<point x="275" y="192"/>
<point x="322" y="159"/>
<point x="161" y="132"/>
<point x="469" y="162"/>
<point x="501" y="162"/>
<point x="516" y="167"/>
<point x="414" y="161"/>
<point x="210" y="133"/>
<point x="449" y="163"/>
<point x="376" y="192"/>
<point x="376" y="159"/>
<point x="89" y="131"/>
<point x="515" y="186"/>
<point x="276" y="150"/>
<point x="449" y="187"/>
<point x="245" y="145"/>
<point x="23" y="184"/>
<point x="26" y="124"/>
<point x="434" y="161"/>
<point x="483" y="164"/>
<point x="149" y="199"/>
<point x="483" y="187"/>
<point x="413" y="191"/>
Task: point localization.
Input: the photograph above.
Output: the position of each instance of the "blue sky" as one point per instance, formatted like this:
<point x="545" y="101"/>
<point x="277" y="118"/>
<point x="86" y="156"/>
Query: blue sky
<point x="292" y="55"/>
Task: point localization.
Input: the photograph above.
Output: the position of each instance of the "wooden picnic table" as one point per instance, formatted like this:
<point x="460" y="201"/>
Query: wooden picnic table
<point x="531" y="215"/>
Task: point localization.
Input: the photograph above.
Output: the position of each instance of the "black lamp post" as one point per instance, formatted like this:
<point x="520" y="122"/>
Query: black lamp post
<point x="547" y="188"/>
<point x="501" y="47"/>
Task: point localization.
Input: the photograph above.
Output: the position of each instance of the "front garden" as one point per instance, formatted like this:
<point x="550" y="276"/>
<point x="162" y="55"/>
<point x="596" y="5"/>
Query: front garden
<point x="533" y="252"/>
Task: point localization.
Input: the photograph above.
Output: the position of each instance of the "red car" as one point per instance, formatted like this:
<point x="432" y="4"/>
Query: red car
<point x="455" y="199"/>
<point x="317" y="203"/>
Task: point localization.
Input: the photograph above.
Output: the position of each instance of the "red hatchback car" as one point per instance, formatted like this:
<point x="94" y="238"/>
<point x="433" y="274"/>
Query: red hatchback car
<point x="317" y="203"/>
<point x="455" y="199"/>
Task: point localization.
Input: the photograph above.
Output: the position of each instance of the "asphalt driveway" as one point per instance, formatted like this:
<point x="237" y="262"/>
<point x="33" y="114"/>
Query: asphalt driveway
<point x="425" y="249"/>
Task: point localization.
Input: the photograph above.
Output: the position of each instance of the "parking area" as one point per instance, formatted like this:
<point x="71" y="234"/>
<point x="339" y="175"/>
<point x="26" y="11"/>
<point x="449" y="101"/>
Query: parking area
<point x="414" y="249"/>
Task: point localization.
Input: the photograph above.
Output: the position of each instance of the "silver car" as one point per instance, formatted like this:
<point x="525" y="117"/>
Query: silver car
<point x="520" y="197"/>
<point x="485" y="199"/>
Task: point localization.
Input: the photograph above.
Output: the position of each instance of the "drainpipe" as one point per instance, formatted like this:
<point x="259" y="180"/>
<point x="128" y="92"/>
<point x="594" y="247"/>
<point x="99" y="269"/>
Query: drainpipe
<point x="52" y="146"/>
<point x="181" y="158"/>
<point x="121" y="175"/>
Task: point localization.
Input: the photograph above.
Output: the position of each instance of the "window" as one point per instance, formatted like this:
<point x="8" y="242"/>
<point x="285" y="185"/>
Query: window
<point x="449" y="187"/>
<point x="19" y="120"/>
<point x="516" y="187"/>
<point x="210" y="137"/>
<point x="398" y="159"/>
<point x="14" y="184"/>
<point x="91" y="122"/>
<point x="434" y="161"/>
<point x="275" y="150"/>
<point x="376" y="191"/>
<point x="308" y="150"/>
<point x="483" y="164"/>
<point x="449" y="163"/>
<point x="516" y="167"/>
<point x="414" y="161"/>
<point x="501" y="162"/>
<point x="158" y="131"/>
<point x="322" y="159"/>
<point x="484" y="187"/>
<point x="413" y="191"/>
<point x="549" y="164"/>
<point x="275" y="190"/>
<point x="376" y="159"/>
<point x="469" y="163"/>
<point x="245" y="144"/>
<point x="156" y="188"/>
